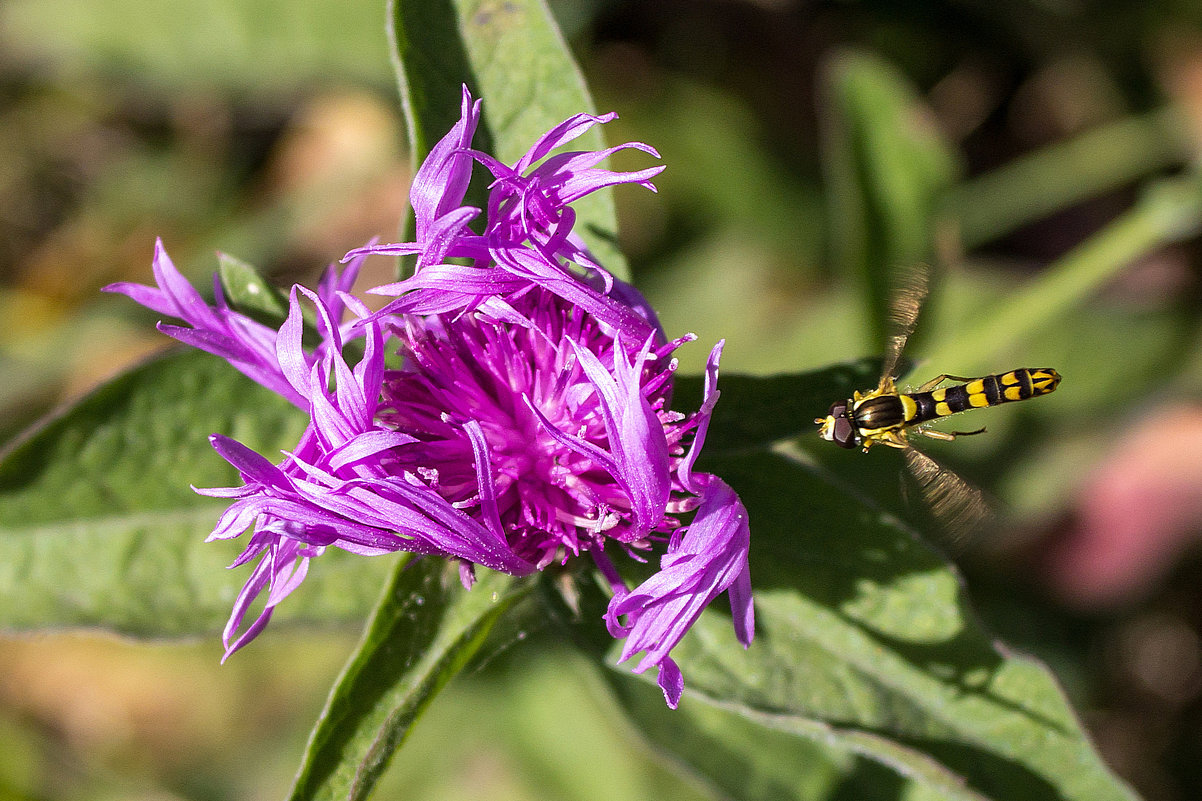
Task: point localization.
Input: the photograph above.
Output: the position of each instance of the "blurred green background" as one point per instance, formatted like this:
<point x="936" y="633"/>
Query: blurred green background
<point x="271" y="131"/>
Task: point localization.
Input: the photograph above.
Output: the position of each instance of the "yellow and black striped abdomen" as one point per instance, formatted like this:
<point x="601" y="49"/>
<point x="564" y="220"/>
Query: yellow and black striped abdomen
<point x="977" y="393"/>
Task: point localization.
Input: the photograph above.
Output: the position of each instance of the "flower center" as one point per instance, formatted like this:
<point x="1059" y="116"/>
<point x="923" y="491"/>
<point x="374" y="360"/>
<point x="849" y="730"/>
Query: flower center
<point x="518" y="382"/>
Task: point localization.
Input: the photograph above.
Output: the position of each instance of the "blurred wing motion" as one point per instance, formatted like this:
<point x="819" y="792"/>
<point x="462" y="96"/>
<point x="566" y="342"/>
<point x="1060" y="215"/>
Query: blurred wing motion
<point x="960" y="506"/>
<point x="907" y="302"/>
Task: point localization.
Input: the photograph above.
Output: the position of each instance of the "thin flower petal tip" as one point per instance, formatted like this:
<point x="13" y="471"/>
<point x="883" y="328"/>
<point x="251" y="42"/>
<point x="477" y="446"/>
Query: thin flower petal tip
<point x="528" y="422"/>
<point x="709" y="558"/>
<point x="671" y="681"/>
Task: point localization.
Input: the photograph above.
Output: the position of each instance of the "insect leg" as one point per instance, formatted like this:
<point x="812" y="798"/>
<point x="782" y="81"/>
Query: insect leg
<point x="894" y="439"/>
<point x="939" y="379"/>
<point x="980" y="430"/>
<point x="948" y="436"/>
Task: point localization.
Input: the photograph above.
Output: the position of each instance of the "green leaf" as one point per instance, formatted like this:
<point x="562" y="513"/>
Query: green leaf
<point x="749" y="757"/>
<point x="1051" y="179"/>
<point x="425" y="629"/>
<point x="248" y="292"/>
<point x="1168" y="211"/>
<point x="99" y="525"/>
<point x="754" y="412"/>
<point x="511" y="54"/>
<point x="266" y="47"/>
<point x="865" y="644"/>
<point x="887" y="168"/>
<point x="870" y="676"/>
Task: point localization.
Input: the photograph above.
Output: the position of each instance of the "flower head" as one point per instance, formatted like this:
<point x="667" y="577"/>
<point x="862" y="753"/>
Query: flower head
<point x="528" y="424"/>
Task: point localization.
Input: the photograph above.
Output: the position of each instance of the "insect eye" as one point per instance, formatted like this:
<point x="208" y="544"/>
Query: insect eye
<point x="842" y="432"/>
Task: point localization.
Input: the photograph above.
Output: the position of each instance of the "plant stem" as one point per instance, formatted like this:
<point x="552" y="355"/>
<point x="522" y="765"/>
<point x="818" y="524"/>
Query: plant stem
<point x="1033" y="186"/>
<point x="1171" y="210"/>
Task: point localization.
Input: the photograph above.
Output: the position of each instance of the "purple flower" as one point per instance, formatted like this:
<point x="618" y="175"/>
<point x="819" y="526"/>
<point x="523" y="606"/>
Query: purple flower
<point x="528" y="424"/>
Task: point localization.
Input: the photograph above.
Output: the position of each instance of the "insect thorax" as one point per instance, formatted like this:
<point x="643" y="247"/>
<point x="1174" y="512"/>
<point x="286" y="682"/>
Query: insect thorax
<point x="879" y="411"/>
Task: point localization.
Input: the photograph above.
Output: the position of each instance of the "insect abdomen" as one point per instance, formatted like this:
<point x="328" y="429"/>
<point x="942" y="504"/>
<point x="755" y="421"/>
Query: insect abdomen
<point x="990" y="390"/>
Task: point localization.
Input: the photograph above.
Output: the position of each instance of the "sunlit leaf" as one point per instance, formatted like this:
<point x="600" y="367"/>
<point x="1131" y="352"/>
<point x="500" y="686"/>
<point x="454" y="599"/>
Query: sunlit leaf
<point x="749" y="757"/>
<point x="866" y="645"/>
<point x="98" y="523"/>
<point x="248" y="291"/>
<point x="887" y="167"/>
<point x="245" y="45"/>
<point x="426" y="628"/>
<point x="513" y="56"/>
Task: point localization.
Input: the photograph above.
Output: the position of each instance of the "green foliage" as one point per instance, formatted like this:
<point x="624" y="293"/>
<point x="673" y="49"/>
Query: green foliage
<point x="866" y="646"/>
<point x="511" y="55"/>
<point x="99" y="525"/>
<point x="425" y="630"/>
<point x="865" y="649"/>
<point x="1169" y="211"/>
<point x="1043" y="182"/>
<point x="248" y="292"/>
<point x="258" y="46"/>
<point x="887" y="168"/>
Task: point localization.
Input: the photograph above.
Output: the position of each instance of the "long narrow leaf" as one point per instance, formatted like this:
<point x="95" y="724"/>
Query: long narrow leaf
<point x="1170" y="210"/>
<point x="426" y="628"/>
<point x="887" y="168"/>
<point x="513" y="56"/>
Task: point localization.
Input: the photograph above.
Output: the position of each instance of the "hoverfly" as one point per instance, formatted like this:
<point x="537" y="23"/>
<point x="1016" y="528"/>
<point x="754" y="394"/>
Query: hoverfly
<point x="890" y="417"/>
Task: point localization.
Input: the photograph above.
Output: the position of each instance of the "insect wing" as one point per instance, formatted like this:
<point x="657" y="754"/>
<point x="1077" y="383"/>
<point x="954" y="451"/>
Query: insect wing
<point x="907" y="301"/>
<point x="960" y="506"/>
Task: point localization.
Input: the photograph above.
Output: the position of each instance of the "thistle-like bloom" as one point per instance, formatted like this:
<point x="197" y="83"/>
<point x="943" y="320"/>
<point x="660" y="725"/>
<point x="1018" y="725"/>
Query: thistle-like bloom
<point x="528" y="424"/>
